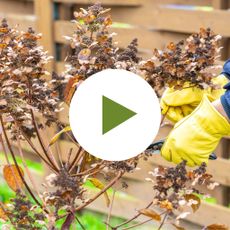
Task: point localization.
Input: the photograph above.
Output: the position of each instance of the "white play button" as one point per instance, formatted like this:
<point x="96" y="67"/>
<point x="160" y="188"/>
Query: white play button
<point x="115" y="115"/>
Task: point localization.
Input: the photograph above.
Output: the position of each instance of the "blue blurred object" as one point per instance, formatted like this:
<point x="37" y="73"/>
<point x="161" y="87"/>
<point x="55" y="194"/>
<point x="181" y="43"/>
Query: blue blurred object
<point x="226" y="69"/>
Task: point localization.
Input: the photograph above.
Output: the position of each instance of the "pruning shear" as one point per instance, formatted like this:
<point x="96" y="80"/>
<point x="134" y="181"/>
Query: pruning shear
<point x="212" y="156"/>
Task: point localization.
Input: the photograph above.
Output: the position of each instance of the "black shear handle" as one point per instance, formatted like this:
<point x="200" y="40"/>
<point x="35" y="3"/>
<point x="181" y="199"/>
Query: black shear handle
<point x="159" y="144"/>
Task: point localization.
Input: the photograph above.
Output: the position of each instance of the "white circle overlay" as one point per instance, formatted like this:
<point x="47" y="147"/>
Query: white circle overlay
<point x="131" y="137"/>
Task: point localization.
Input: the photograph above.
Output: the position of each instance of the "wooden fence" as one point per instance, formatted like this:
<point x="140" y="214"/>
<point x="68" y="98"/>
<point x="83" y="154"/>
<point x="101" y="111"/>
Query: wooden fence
<point x="155" y="23"/>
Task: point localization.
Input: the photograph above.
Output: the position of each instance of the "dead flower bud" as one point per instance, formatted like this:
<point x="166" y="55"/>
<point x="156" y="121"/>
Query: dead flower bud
<point x="50" y="179"/>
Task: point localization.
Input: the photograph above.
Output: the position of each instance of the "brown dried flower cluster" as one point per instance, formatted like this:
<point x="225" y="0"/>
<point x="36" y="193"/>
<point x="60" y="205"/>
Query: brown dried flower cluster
<point x="67" y="190"/>
<point x="186" y="62"/>
<point x="93" y="48"/>
<point x="23" y="85"/>
<point x="23" y="214"/>
<point x="174" y="185"/>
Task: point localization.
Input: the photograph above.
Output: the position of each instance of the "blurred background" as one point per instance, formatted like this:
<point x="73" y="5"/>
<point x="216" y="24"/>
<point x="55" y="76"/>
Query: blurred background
<point x="155" y="23"/>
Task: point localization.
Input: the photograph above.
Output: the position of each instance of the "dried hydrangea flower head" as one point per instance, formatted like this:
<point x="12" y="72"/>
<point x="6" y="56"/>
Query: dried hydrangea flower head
<point x="93" y="48"/>
<point x="175" y="186"/>
<point x="67" y="190"/>
<point x="186" y="62"/>
<point x="24" y="215"/>
<point x="24" y="84"/>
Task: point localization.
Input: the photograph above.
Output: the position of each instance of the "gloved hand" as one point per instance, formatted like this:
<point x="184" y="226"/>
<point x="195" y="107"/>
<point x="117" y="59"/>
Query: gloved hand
<point x="196" y="136"/>
<point x="177" y="104"/>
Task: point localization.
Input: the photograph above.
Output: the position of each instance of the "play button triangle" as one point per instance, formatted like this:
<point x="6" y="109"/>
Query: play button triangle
<point x="113" y="114"/>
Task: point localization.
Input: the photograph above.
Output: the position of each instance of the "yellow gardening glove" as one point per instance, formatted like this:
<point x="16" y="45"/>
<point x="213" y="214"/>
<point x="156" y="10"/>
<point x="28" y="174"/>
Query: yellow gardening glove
<point x="196" y="136"/>
<point x="177" y="104"/>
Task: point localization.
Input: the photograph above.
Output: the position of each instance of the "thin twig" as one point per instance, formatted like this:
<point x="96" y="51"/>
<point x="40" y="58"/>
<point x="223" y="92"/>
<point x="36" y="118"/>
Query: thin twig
<point x="4" y="150"/>
<point x="138" y="224"/>
<point x="82" y="162"/>
<point x="50" y="157"/>
<point x="18" y="169"/>
<point x="68" y="135"/>
<point x="110" y="210"/>
<point x="163" y="221"/>
<point x="79" y="222"/>
<point x="91" y="171"/>
<point x="76" y="158"/>
<point x="133" y="218"/>
<point x="69" y="156"/>
<point x="34" y="148"/>
<point x="59" y="153"/>
<point x="27" y="169"/>
<point x="37" y="152"/>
